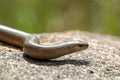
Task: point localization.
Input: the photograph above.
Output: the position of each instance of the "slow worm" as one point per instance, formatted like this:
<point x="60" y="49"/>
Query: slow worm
<point x="32" y="48"/>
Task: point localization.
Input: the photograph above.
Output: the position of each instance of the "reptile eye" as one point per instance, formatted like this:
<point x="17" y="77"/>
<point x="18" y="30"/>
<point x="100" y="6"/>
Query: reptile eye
<point x="80" y="45"/>
<point x="83" y="45"/>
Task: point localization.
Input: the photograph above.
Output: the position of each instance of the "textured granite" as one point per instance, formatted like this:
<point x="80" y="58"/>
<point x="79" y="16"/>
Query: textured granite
<point x="101" y="61"/>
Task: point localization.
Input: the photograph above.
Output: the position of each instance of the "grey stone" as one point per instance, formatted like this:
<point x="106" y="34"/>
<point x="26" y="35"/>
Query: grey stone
<point x="101" y="61"/>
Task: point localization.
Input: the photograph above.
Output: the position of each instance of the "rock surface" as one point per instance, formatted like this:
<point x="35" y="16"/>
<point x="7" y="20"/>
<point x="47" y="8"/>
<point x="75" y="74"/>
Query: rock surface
<point x="101" y="61"/>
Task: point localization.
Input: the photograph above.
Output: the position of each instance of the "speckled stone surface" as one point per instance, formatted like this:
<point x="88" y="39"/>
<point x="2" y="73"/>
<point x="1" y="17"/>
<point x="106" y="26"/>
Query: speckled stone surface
<point x="101" y="61"/>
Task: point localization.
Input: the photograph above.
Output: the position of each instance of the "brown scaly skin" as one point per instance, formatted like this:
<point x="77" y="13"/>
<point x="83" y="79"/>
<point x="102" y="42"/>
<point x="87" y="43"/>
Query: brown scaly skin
<point x="32" y="48"/>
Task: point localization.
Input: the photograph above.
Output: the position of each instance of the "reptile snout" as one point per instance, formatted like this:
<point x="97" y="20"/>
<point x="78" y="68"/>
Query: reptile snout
<point x="83" y="46"/>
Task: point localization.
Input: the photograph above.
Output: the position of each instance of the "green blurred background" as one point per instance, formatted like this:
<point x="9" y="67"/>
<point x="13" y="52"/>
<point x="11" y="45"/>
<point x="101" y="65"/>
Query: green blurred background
<point x="38" y="16"/>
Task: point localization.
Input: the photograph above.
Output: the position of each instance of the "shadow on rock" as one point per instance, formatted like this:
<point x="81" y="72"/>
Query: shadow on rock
<point x="55" y="62"/>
